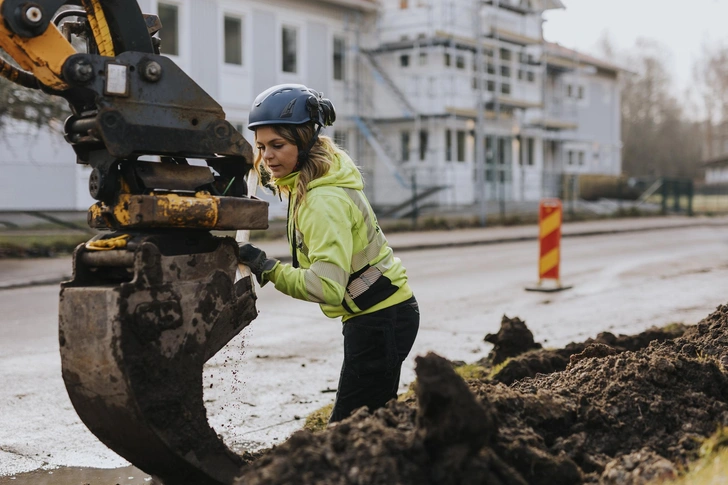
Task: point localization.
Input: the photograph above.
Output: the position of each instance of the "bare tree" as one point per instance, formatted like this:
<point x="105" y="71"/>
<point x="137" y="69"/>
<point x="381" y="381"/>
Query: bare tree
<point x="711" y="79"/>
<point x="32" y="106"/>
<point x="658" y="138"/>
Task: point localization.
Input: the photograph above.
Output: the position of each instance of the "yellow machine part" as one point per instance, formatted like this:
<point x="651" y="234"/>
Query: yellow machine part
<point x="99" y="27"/>
<point x="43" y="55"/>
<point x="160" y="210"/>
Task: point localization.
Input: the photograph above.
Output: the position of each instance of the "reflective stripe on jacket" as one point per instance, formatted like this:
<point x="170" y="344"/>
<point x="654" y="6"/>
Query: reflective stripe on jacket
<point x="345" y="262"/>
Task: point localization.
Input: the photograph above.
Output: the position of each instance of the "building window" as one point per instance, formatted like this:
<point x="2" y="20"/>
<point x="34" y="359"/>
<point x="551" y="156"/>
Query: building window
<point x="461" y="145"/>
<point x="506" y="88"/>
<point x="405" y="144"/>
<point x="526" y="151"/>
<point x="339" y="59"/>
<point x="491" y="86"/>
<point x="575" y="91"/>
<point x="530" y="76"/>
<point x="289" y="49"/>
<point x="521" y="74"/>
<point x="423" y="58"/>
<point x="448" y="61"/>
<point x="505" y="54"/>
<point x="490" y="68"/>
<point x="404" y="60"/>
<point x="502" y="150"/>
<point x="423" y="144"/>
<point x="570" y="158"/>
<point x="505" y="71"/>
<point x="233" y="41"/>
<point x="169" y="17"/>
<point x="581" y="158"/>
<point x="529" y="151"/>
<point x="341" y="138"/>
<point x="448" y="145"/>
<point x="460" y="62"/>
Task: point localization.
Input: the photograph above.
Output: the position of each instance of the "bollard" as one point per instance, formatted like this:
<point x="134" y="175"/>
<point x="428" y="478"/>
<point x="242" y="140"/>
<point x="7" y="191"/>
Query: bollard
<point x="549" y="241"/>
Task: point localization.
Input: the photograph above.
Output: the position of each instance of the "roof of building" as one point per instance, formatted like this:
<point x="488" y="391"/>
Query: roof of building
<point x="721" y="161"/>
<point x="365" y="5"/>
<point x="527" y="6"/>
<point x="559" y="55"/>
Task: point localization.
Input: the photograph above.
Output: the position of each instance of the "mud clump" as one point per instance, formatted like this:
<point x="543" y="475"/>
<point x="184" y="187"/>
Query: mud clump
<point x="621" y="410"/>
<point x="513" y="339"/>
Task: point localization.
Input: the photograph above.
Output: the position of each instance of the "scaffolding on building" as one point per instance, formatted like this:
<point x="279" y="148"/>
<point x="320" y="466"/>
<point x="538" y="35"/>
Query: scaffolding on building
<point x="492" y="119"/>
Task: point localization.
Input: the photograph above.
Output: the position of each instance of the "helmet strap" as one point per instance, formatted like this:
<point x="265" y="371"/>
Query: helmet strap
<point x="303" y="154"/>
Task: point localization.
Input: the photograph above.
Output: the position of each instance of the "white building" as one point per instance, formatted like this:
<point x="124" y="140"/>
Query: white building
<point x="403" y="77"/>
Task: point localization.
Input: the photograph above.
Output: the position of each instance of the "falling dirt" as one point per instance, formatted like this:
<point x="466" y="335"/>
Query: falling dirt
<point x="611" y="410"/>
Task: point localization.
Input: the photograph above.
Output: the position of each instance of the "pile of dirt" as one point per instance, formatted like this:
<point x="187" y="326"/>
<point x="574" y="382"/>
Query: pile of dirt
<point x="612" y="410"/>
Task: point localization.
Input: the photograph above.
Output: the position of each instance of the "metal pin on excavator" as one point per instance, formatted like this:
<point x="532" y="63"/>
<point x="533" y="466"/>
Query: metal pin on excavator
<point x="156" y="296"/>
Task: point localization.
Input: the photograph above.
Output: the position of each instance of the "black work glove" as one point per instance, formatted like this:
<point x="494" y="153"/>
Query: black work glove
<point x="255" y="259"/>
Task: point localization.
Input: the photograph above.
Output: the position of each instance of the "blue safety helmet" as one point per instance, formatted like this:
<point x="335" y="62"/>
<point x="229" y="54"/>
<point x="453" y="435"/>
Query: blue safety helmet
<point x="291" y="104"/>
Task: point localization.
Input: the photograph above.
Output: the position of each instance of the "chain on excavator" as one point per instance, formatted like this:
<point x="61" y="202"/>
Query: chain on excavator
<point x="155" y="295"/>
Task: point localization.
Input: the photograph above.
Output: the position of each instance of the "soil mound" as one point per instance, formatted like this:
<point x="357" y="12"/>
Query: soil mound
<point x="528" y="363"/>
<point x="622" y="410"/>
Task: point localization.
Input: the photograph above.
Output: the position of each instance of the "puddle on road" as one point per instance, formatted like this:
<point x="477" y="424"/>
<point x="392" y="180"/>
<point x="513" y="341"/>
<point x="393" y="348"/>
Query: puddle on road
<point x="80" y="476"/>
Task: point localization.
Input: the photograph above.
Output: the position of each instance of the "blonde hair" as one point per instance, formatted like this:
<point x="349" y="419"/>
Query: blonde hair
<point x="316" y="165"/>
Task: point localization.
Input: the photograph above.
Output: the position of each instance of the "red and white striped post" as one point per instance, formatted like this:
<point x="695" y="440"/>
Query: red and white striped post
<point x="549" y="241"/>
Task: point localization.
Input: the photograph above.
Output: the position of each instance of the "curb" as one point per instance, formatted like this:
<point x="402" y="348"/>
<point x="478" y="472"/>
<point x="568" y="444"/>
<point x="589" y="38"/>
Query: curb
<point x="419" y="247"/>
<point x="12" y="285"/>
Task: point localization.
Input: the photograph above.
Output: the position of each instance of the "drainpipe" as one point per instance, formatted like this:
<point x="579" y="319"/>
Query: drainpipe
<point x="479" y="125"/>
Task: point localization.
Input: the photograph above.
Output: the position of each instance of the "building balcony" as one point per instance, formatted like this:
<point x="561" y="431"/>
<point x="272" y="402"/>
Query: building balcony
<point x="514" y="37"/>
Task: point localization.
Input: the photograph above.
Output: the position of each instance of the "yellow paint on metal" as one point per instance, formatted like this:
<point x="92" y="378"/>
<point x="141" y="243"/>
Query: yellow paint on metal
<point x="120" y="210"/>
<point x="99" y="27"/>
<point x="43" y="55"/>
<point x="117" y="242"/>
<point x="548" y="261"/>
<point x="167" y="210"/>
<point x="550" y="224"/>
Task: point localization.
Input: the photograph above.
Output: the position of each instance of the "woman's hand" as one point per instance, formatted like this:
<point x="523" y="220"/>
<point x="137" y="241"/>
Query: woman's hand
<point x="256" y="259"/>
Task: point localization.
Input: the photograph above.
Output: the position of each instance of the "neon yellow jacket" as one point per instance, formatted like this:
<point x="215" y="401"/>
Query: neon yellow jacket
<point x="345" y="262"/>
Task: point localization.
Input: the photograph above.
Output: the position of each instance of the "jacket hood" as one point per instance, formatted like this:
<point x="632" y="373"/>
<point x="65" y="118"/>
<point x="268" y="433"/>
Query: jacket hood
<point x="342" y="173"/>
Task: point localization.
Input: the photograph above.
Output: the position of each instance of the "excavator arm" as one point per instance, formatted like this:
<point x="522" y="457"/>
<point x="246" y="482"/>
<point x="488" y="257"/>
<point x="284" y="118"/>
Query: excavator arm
<point x="155" y="295"/>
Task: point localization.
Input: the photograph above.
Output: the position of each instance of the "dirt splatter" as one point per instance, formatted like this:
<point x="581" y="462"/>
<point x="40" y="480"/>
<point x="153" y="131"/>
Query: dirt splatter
<point x="612" y="410"/>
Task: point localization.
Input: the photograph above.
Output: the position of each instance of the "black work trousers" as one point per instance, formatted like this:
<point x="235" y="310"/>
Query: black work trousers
<point x="375" y="345"/>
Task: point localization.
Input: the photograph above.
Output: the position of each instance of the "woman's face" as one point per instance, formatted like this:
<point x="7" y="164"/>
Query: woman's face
<point x="279" y="155"/>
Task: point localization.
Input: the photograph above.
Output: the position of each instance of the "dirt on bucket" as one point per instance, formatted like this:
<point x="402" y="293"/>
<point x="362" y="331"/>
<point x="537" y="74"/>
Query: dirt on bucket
<point x="611" y="410"/>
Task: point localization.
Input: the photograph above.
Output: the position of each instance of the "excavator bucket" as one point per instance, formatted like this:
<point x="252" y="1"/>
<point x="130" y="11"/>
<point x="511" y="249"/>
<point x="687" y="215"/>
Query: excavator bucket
<point x="136" y="327"/>
<point x="146" y="309"/>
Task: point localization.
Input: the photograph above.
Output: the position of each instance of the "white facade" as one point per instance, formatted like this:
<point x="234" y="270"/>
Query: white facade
<point x="550" y="113"/>
<point x="717" y="174"/>
<point x="402" y="75"/>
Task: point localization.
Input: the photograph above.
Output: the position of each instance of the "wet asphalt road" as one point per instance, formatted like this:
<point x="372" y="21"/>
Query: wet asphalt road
<point x="285" y="364"/>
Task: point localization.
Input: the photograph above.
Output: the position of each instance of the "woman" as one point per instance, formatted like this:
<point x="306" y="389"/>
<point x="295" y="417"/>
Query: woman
<point x="341" y="259"/>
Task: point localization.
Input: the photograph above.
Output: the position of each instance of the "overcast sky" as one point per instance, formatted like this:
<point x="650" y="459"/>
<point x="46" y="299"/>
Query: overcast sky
<point x="682" y="26"/>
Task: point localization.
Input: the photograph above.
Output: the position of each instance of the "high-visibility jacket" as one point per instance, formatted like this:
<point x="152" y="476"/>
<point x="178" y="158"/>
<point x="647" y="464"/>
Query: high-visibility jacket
<point x="345" y="262"/>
